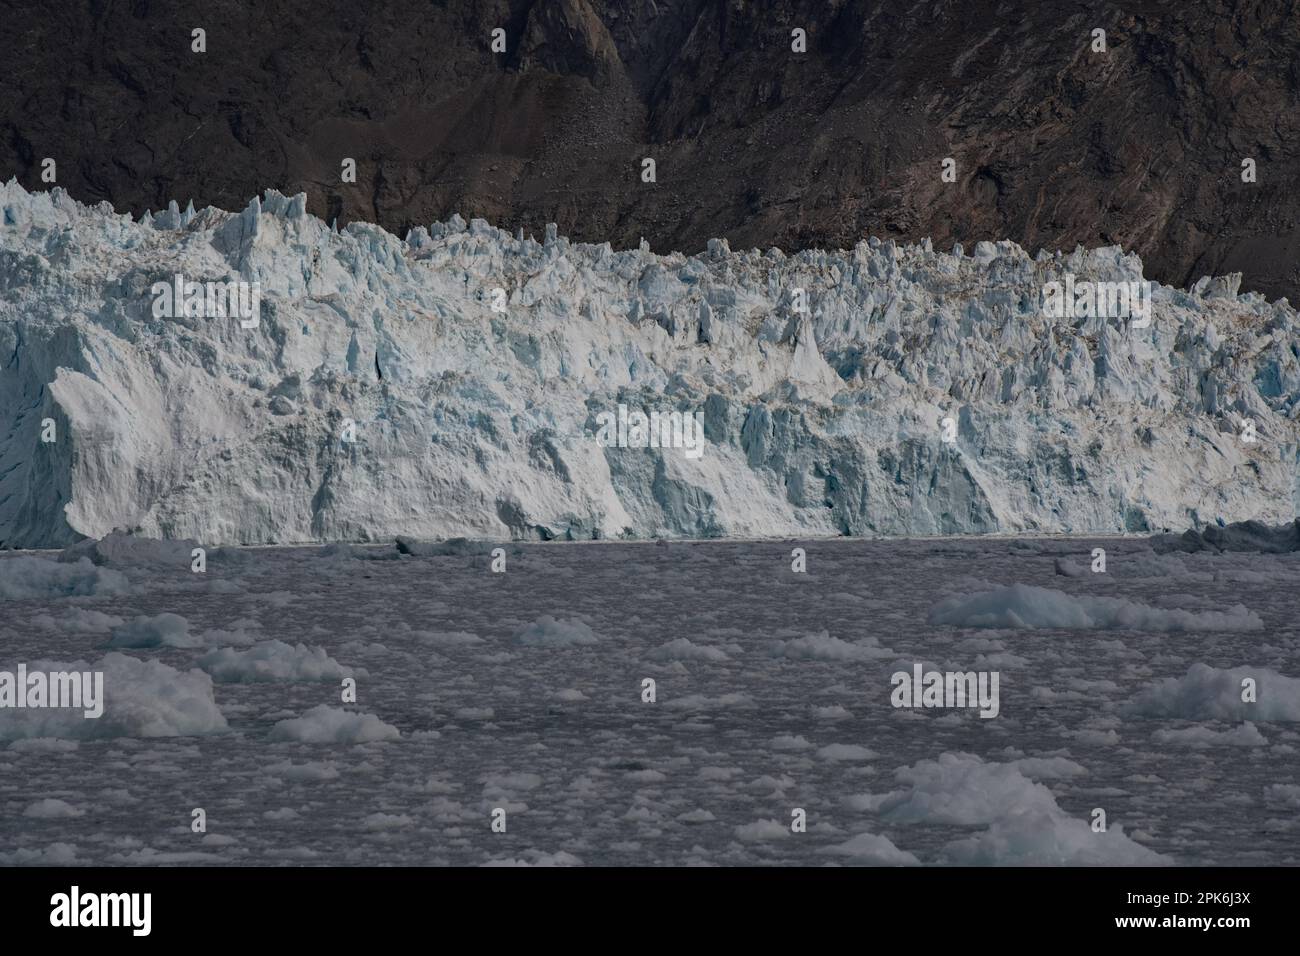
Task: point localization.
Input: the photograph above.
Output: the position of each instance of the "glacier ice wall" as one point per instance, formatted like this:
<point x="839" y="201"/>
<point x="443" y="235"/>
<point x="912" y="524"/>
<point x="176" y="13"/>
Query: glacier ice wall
<point x="470" y="421"/>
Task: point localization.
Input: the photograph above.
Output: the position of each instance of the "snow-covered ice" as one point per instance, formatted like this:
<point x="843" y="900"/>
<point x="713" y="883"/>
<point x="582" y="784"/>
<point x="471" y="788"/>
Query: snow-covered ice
<point x="387" y="388"/>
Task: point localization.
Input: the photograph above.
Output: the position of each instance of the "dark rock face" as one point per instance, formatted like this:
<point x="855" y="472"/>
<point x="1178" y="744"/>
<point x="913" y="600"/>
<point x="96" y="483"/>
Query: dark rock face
<point x="1055" y="144"/>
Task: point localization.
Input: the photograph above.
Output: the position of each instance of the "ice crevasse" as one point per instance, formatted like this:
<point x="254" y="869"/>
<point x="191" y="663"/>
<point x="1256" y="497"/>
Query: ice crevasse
<point x="387" y="388"/>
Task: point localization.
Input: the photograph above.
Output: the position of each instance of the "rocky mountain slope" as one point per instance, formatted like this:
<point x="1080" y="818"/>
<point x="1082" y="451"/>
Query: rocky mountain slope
<point x="1139" y="146"/>
<point x="386" y="387"/>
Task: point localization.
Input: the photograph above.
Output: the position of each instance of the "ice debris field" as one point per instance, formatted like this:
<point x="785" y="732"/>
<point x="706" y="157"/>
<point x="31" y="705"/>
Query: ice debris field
<point x="523" y="692"/>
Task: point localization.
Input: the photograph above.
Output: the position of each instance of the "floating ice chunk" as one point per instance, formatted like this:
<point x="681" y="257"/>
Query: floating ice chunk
<point x="1246" y="735"/>
<point x="52" y="809"/>
<point x="340" y="550"/>
<point x="1048" y="768"/>
<point x="1213" y="693"/>
<point x="509" y="783"/>
<point x="546" y="631"/>
<point x="24" y="577"/>
<point x="1149" y="564"/>
<point x="150" y="856"/>
<point x="44" y="745"/>
<point x="1050" y="839"/>
<point x="141" y="699"/>
<point x="272" y="660"/>
<point x="1237" y="536"/>
<point x="831" y="712"/>
<point x="698" y="815"/>
<point x="79" y="620"/>
<point x="310" y="772"/>
<point x="56" y="854"/>
<point x="1283" y="795"/>
<point x="387" y="821"/>
<point x="846" y="752"/>
<point x="762" y="831"/>
<point x="237" y="634"/>
<point x="333" y="725"/>
<point x="869" y="849"/>
<point x="1025" y="606"/>
<point x="539" y="858"/>
<point x="452" y="546"/>
<point x="161" y="630"/>
<point x="683" y="649"/>
<point x="131" y="551"/>
<point x="1069" y="569"/>
<point x="445" y="639"/>
<point x="701" y="702"/>
<point x="1026" y="826"/>
<point x="822" y="647"/>
<point x="962" y="789"/>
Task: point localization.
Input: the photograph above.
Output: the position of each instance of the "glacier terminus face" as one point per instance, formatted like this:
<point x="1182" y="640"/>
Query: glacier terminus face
<point x="260" y="377"/>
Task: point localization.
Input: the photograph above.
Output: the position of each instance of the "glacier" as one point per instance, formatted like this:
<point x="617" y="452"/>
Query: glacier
<point x="386" y="388"/>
